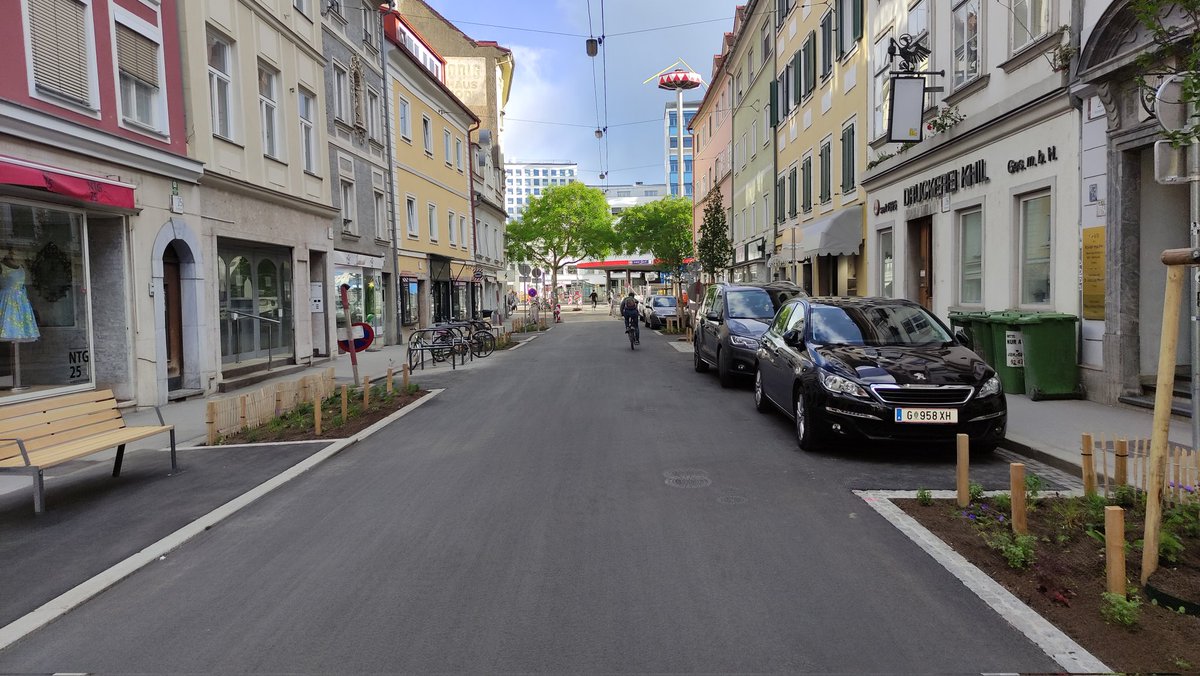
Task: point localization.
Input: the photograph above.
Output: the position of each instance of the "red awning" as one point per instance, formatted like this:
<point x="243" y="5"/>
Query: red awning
<point x="68" y="183"/>
<point x="622" y="264"/>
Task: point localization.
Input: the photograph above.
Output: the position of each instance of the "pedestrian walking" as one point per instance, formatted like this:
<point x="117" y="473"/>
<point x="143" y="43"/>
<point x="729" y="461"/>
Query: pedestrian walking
<point x="594" y="297"/>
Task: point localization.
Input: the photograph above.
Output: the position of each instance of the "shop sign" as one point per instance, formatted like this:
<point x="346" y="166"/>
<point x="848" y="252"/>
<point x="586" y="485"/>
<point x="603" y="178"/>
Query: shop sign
<point x="947" y="184"/>
<point x="1036" y="160"/>
<point x="886" y="207"/>
<point x="77" y="364"/>
<point x="1092" y="273"/>
<point x="357" y="260"/>
<point x="1014" y="349"/>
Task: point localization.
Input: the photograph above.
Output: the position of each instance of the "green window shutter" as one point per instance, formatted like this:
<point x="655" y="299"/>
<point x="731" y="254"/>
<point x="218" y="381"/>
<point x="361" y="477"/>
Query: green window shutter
<point x="826" y="171"/>
<point x="807" y="178"/>
<point x="848" y="159"/>
<point x="837" y="27"/>
<point x="827" y="44"/>
<point x="774" y="103"/>
<point x="810" y="61"/>
<point x="792" y="192"/>
<point x="797" y="75"/>
<point x="858" y="18"/>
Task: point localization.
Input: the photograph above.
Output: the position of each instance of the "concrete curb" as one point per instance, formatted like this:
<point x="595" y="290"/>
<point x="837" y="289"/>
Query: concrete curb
<point x="1022" y="447"/>
<point x="73" y="598"/>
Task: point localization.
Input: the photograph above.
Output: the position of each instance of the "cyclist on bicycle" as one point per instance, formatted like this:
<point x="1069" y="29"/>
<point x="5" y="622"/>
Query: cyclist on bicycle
<point x="629" y="310"/>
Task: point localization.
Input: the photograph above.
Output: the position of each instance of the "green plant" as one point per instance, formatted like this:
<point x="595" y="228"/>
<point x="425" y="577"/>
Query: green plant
<point x="1128" y="497"/>
<point x="945" y="119"/>
<point x="1124" y="610"/>
<point x="924" y="497"/>
<point x="1018" y="550"/>
<point x="975" y="492"/>
<point x="1034" y="485"/>
<point x="1002" y="503"/>
<point x="1182" y="664"/>
<point x="1170" y="546"/>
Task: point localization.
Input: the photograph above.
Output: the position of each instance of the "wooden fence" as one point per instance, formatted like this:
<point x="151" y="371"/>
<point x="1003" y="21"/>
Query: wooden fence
<point x="258" y="407"/>
<point x="1117" y="461"/>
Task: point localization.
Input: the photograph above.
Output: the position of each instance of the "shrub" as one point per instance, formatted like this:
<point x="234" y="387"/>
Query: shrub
<point x="1018" y="550"/>
<point x="975" y="492"/>
<point x="1002" y="503"/>
<point x="924" y="498"/>
<point x="1121" y="609"/>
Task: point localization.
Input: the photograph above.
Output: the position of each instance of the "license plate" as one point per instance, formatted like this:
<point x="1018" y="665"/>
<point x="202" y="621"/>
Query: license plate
<point x="936" y="416"/>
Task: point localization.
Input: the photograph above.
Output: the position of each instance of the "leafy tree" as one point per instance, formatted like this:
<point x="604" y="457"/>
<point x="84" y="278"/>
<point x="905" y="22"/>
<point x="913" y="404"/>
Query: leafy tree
<point x="564" y="225"/>
<point x="714" y="249"/>
<point x="662" y="228"/>
<point x="1176" y="51"/>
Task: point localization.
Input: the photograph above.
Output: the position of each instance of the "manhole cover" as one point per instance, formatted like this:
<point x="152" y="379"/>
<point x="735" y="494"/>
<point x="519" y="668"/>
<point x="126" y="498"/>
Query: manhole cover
<point x="686" y="473"/>
<point x="689" y="482"/>
<point x="731" y="500"/>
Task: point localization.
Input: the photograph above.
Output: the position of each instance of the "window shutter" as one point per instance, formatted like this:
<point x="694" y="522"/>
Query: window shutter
<point x="59" y="39"/>
<point x="774" y="103"/>
<point x="857" y="18"/>
<point x="810" y="62"/>
<point x="780" y="200"/>
<point x="797" y="74"/>
<point x="792" y="192"/>
<point x="137" y="56"/>
<point x="848" y="159"/>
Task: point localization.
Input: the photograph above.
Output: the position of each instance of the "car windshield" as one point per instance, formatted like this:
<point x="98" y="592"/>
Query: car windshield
<point x="663" y="301"/>
<point x="875" y="326"/>
<point x="750" y="304"/>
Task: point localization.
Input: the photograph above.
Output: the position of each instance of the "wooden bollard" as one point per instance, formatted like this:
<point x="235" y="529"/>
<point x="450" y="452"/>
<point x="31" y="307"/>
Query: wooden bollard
<point x="317" y="416"/>
<point x="404" y="377"/>
<point x="1016" y="481"/>
<point x="210" y="420"/>
<point x="1114" y="548"/>
<point x="366" y="394"/>
<point x="963" y="474"/>
<point x="242" y="412"/>
<point x="345" y="403"/>
<point x="1089" y="466"/>
<point x="390" y="376"/>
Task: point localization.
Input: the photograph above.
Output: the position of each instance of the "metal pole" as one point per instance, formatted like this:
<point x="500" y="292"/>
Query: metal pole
<point x="391" y="178"/>
<point x="679" y="134"/>
<point x="1194" y="187"/>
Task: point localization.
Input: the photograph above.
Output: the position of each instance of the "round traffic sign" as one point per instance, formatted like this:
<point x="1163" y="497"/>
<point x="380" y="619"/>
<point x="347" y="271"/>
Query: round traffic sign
<point x="532" y="292"/>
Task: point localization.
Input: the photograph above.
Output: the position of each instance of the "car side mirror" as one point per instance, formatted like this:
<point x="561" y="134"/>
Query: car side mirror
<point x="793" y="338"/>
<point x="713" y="317"/>
<point x="963" y="339"/>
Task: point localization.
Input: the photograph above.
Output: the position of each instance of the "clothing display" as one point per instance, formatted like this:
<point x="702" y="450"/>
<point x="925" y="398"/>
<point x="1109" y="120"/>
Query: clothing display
<point x="17" y="322"/>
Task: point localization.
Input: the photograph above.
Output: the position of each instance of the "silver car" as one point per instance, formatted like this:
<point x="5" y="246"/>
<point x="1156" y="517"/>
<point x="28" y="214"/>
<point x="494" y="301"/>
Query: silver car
<point x="656" y="309"/>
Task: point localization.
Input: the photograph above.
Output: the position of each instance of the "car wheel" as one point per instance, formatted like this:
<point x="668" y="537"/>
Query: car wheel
<point x="760" y="400"/>
<point x="806" y="434"/>
<point x="724" y="368"/>
<point x="700" y="364"/>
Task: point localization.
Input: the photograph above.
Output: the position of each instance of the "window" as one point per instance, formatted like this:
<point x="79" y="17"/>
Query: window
<point x="780" y="198"/>
<point x="850" y="24"/>
<point x="918" y="27"/>
<point x="347" y="207"/>
<point x="446" y="145"/>
<point x="765" y="38"/>
<point x="848" y="159"/>
<point x="970" y="258"/>
<point x="462" y="231"/>
<point x="826" y="173"/>
<point x="137" y="63"/>
<point x="806" y="183"/>
<point x="881" y="87"/>
<point x="827" y="44"/>
<point x="887" y="270"/>
<point x="268" y="109"/>
<point x="308" y="142"/>
<point x="450" y="229"/>
<point x="58" y="36"/>
<point x="810" y="63"/>
<point x="410" y="215"/>
<point x="371" y="30"/>
<point x="433" y="226"/>
<point x="374" y="116"/>
<point x="220" y="85"/>
<point x="341" y="93"/>
<point x="405" y="119"/>
<point x="427" y="132"/>
<point x="1030" y="21"/>
<point x="966" y="20"/>
<point x="458" y="153"/>
<point x="381" y="229"/>
<point x="1035" y="249"/>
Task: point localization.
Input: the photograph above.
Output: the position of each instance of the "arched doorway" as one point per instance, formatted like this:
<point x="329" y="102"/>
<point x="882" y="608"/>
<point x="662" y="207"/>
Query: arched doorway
<point x="173" y="316"/>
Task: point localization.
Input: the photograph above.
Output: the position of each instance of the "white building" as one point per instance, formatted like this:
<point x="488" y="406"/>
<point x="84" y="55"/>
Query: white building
<point x="671" y="146"/>
<point x="525" y="180"/>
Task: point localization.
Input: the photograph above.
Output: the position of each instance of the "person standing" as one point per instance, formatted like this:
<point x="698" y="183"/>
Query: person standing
<point x="594" y="297"/>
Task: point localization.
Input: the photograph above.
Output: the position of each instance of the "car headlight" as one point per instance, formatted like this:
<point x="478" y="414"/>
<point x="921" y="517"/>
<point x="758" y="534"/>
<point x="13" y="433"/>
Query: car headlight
<point x="743" y="341"/>
<point x="840" y="385"/>
<point x="992" y="386"/>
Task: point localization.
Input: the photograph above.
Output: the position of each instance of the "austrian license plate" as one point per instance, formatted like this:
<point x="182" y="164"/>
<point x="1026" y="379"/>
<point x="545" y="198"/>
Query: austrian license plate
<point x="936" y="416"/>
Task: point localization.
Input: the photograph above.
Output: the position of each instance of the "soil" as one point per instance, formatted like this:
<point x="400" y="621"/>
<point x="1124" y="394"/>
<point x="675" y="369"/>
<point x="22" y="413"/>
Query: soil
<point x="1066" y="580"/>
<point x="300" y="428"/>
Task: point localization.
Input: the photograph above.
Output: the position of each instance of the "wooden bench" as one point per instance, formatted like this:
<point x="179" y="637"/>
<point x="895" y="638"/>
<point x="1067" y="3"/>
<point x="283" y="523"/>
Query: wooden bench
<point x="38" y="434"/>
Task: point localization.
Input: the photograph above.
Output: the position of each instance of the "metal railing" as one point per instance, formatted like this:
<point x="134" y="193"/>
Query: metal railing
<point x="236" y="317"/>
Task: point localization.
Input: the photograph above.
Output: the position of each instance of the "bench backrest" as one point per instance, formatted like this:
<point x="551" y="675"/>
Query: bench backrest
<point x="56" y="420"/>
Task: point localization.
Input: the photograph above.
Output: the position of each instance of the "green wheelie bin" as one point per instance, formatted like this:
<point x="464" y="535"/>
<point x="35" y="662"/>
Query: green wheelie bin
<point x="1007" y="351"/>
<point x="1051" y="366"/>
<point x="975" y="326"/>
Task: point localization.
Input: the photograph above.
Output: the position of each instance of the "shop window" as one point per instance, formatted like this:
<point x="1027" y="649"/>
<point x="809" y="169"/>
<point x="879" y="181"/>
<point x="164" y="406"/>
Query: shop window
<point x="970" y="258"/>
<point x="1035" y="233"/>
<point x="408" y="301"/>
<point x="887" y="268"/>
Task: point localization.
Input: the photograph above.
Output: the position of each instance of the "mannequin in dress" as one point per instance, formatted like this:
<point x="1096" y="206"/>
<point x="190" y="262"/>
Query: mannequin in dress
<point x="17" y="322"/>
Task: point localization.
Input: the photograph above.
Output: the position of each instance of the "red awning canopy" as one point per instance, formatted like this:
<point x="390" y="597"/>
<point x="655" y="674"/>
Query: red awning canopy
<point x="637" y="264"/>
<point x="62" y="182"/>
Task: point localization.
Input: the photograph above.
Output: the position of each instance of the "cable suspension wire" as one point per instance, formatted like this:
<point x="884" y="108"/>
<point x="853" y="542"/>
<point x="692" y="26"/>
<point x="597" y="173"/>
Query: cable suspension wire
<point x="604" y="65"/>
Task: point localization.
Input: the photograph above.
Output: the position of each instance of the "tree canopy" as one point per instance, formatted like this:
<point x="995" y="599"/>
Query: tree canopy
<point x="563" y="225"/>
<point x="714" y="249"/>
<point x="662" y="228"/>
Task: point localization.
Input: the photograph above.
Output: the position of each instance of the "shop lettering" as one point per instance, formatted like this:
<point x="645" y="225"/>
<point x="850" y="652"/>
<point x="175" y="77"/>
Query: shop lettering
<point x="883" y="208"/>
<point x="77" y="361"/>
<point x="1042" y="157"/>
<point x="947" y="183"/>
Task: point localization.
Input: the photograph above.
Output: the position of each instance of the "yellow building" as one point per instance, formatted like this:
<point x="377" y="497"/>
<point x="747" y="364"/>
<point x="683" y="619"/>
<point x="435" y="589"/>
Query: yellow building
<point x="820" y="104"/>
<point x="435" y="219"/>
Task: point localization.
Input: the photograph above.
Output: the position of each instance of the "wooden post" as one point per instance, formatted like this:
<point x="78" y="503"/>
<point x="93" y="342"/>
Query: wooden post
<point x="242" y="412"/>
<point x="404" y="377"/>
<point x="1121" y="468"/>
<point x="366" y="394"/>
<point x="1016" y="480"/>
<point x="1114" y="548"/>
<point x="317" y="416"/>
<point x="345" y="404"/>
<point x="1089" y="466"/>
<point x="1162" y="418"/>
<point x="210" y="420"/>
<point x="391" y="376"/>
<point x="278" y="399"/>
<point x="963" y="474"/>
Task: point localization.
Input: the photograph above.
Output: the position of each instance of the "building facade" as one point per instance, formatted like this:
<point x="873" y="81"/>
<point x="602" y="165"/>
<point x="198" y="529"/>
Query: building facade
<point x="101" y="246"/>
<point x="750" y="65"/>
<point x="525" y="180"/>
<point x="671" y="146"/>
<point x="820" y="102"/>
<point x="712" y="133"/>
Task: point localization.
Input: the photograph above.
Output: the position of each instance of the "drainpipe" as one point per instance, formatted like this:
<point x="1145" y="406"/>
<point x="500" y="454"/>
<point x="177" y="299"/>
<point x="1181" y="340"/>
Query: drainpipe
<point x="471" y="201"/>
<point x="774" y="150"/>
<point x="387" y="133"/>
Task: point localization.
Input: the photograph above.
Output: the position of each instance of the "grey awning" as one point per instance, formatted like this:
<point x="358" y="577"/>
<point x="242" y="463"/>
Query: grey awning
<point x="838" y="234"/>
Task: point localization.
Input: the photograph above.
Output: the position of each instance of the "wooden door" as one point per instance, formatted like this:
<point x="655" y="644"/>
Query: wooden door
<point x="922" y="239"/>
<point x="173" y="316"/>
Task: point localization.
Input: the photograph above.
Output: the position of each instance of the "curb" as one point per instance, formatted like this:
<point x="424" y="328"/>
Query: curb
<point x="85" y="591"/>
<point x="1041" y="456"/>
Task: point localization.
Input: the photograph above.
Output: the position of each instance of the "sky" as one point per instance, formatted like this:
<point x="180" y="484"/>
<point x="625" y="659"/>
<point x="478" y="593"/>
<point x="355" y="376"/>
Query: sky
<point x="553" y="79"/>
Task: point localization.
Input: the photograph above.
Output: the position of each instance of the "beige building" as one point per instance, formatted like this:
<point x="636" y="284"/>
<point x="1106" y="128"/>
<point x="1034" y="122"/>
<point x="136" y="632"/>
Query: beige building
<point x="750" y="66"/>
<point x="254" y="82"/>
<point x="821" y="91"/>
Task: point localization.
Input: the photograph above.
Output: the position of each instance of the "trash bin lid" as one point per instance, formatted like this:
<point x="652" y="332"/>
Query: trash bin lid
<point x="1040" y="317"/>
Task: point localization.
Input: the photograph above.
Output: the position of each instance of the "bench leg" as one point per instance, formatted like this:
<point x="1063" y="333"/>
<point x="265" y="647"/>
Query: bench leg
<point x="39" y="497"/>
<point x="174" y="467"/>
<point x="120" y="457"/>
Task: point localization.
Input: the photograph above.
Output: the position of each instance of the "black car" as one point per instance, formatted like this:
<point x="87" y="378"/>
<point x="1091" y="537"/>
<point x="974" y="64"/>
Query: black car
<point x="729" y="322"/>
<point x="875" y="369"/>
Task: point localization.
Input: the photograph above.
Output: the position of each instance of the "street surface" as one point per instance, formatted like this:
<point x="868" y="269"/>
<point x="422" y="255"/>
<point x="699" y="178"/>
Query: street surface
<point x="575" y="506"/>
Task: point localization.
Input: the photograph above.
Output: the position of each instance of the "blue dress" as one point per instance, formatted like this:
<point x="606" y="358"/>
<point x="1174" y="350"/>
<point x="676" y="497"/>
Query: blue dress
<point x="16" y="315"/>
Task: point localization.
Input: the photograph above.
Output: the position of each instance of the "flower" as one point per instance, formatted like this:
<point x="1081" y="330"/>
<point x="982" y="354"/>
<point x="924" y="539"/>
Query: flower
<point x="971" y="517"/>
<point x="1000" y="518"/>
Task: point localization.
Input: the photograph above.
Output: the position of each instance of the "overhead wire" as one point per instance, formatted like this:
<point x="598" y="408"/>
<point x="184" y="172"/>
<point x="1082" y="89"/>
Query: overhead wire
<point x="604" y="65"/>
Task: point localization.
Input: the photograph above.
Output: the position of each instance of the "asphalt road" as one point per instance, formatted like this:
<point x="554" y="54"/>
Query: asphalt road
<point x="573" y="507"/>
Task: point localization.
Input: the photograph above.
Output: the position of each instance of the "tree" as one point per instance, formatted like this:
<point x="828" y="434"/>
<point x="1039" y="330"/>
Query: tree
<point x="662" y="228"/>
<point x="714" y="249"/>
<point x="564" y="225"/>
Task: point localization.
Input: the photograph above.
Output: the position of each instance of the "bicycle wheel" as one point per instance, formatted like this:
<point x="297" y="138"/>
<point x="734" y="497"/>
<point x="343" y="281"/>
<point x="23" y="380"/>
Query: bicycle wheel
<point x="482" y="344"/>
<point x="442" y="347"/>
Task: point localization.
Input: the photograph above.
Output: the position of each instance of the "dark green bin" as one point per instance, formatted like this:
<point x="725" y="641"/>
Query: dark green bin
<point x="1001" y="325"/>
<point x="1051" y="364"/>
<point x="981" y="335"/>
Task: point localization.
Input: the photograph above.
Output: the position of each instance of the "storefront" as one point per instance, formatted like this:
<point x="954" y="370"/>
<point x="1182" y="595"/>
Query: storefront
<point x="255" y="296"/>
<point x="367" y="292"/>
<point x="987" y="223"/>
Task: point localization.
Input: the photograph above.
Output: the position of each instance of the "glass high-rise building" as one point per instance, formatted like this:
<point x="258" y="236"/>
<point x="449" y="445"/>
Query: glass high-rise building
<point x="671" y="146"/>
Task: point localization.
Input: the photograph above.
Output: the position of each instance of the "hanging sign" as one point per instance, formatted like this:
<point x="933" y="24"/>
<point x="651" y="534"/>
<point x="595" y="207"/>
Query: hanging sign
<point x="905" y="110"/>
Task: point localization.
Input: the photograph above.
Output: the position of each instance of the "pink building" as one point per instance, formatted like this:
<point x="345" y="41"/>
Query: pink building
<point x="712" y="129"/>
